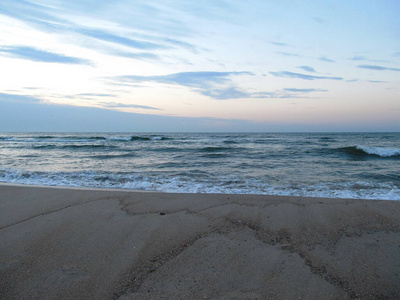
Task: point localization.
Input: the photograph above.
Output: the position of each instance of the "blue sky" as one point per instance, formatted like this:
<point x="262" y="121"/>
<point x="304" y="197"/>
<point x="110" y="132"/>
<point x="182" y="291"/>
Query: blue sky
<point x="211" y="65"/>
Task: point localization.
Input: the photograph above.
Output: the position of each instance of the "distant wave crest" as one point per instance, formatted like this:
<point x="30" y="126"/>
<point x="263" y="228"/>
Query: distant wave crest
<point x="148" y="138"/>
<point x="380" y="151"/>
<point x="375" y="151"/>
<point x="79" y="138"/>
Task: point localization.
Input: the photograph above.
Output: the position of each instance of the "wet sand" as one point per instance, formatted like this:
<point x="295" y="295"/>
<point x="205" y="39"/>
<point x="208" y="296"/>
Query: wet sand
<point x="60" y="243"/>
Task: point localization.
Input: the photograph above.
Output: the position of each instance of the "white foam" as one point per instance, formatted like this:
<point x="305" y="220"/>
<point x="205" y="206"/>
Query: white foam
<point x="119" y="138"/>
<point x="156" y="138"/>
<point x="380" y="151"/>
<point x="186" y="184"/>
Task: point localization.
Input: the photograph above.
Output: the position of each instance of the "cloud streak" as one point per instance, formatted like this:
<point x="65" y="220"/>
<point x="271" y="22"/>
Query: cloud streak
<point x="190" y="79"/>
<point x="228" y="93"/>
<point x="289" y="54"/>
<point x="326" y="59"/>
<point x="357" y="58"/>
<point x="122" y="105"/>
<point x="31" y="13"/>
<point x="307" y="68"/>
<point x="321" y="58"/>
<point x="94" y="95"/>
<point x="288" y="74"/>
<point x="211" y="84"/>
<point x="278" y="44"/>
<point x="378" y="68"/>
<point x="219" y="86"/>
<point x="295" y="90"/>
<point x="56" y="19"/>
<point x="117" y="39"/>
<point x="38" y="55"/>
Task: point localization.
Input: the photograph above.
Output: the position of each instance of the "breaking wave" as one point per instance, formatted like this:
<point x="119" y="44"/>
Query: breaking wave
<point x="185" y="183"/>
<point x="322" y="165"/>
<point x="372" y="151"/>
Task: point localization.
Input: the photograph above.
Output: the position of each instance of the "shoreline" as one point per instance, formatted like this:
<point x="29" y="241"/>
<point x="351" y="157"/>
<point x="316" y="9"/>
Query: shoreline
<point x="122" y="244"/>
<point x="84" y="188"/>
<point x="106" y="189"/>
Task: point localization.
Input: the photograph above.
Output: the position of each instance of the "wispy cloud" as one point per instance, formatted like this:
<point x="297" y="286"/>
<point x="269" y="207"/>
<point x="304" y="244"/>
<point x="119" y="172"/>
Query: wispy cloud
<point x="94" y="95"/>
<point x="364" y="58"/>
<point x="378" y="68"/>
<point x="89" y="96"/>
<point x="234" y="93"/>
<point x="295" y="90"/>
<point x="307" y="68"/>
<point x="326" y="59"/>
<point x="32" y="13"/>
<point x="122" y="105"/>
<point x="303" y="76"/>
<point x="56" y="18"/>
<point x="41" y="55"/>
<point x="357" y="58"/>
<point x="181" y="44"/>
<point x="288" y="93"/>
<point x="139" y="55"/>
<point x="278" y="44"/>
<point x="117" y="39"/>
<point x="190" y="79"/>
<point x="217" y="85"/>
<point x="289" y="54"/>
<point x="211" y="84"/>
<point x="226" y="93"/>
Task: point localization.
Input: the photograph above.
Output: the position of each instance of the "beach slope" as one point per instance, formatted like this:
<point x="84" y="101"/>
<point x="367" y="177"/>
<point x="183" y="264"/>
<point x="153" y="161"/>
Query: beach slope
<point x="61" y="243"/>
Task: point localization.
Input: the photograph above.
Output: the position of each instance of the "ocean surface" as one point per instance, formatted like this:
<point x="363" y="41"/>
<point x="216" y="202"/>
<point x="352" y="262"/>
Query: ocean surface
<point x="339" y="165"/>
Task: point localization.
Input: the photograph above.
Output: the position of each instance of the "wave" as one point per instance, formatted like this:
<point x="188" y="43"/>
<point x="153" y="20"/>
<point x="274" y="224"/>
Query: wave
<point x="193" y="183"/>
<point x="215" y="155"/>
<point x="327" y="138"/>
<point x="139" y="138"/>
<point x="380" y="151"/>
<point x="159" y="138"/>
<point x="119" y="138"/>
<point x="113" y="156"/>
<point x="148" y="138"/>
<point x="66" y="139"/>
<point x="17" y="139"/>
<point x="72" y="138"/>
<point x="75" y="147"/>
<point x="371" y="151"/>
<point x="215" y="149"/>
<point x="230" y="142"/>
<point x="52" y="139"/>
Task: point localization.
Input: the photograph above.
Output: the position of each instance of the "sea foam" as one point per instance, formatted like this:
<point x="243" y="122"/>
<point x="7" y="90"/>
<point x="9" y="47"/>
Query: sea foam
<point x="317" y="165"/>
<point x="380" y="151"/>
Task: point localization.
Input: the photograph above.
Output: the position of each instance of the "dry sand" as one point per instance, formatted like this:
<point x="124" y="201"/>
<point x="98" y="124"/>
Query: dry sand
<point x="97" y="244"/>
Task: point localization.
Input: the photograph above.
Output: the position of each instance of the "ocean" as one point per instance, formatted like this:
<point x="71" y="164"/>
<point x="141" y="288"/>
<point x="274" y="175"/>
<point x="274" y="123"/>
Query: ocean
<point x="337" y="165"/>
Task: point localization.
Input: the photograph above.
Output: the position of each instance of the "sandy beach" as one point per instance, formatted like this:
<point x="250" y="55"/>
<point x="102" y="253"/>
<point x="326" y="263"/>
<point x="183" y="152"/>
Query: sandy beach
<point x="63" y="243"/>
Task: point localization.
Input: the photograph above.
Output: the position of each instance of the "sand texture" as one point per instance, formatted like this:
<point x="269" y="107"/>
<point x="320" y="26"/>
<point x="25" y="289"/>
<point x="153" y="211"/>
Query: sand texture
<point x="96" y="244"/>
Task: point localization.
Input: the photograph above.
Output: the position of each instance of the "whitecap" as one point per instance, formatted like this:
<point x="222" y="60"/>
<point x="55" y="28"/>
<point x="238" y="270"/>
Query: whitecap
<point x="380" y="151"/>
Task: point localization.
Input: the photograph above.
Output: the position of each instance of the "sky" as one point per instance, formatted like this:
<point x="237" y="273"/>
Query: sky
<point x="210" y="65"/>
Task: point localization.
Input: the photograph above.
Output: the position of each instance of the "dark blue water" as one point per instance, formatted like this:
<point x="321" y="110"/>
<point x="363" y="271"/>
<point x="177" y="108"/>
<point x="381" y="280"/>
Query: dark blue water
<point x="347" y="165"/>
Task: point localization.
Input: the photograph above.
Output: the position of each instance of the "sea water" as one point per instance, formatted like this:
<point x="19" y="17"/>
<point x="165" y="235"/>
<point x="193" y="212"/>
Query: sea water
<point x="339" y="165"/>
